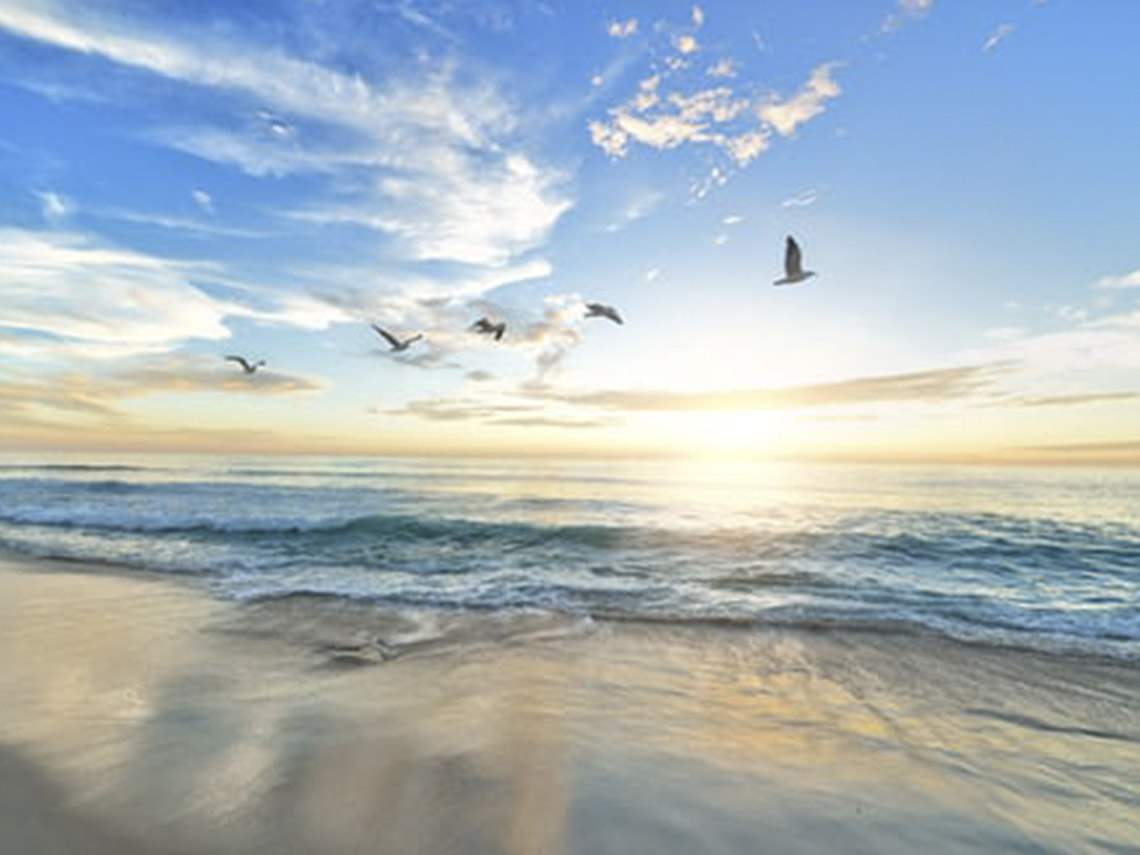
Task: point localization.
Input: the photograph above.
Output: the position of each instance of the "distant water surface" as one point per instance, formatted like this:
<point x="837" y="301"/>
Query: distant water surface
<point x="1041" y="558"/>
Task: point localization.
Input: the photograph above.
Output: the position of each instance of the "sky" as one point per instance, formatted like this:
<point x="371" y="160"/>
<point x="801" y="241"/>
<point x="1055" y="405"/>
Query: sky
<point x="180" y="182"/>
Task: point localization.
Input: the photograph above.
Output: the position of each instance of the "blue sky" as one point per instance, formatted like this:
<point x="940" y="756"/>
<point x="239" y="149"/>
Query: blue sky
<point x="183" y="181"/>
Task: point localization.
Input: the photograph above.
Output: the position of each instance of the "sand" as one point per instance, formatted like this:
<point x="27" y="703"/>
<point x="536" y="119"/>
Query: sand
<point x="139" y="715"/>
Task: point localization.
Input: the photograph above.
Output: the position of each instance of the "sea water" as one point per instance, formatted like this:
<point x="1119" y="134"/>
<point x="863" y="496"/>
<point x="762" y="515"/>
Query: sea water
<point x="1040" y="558"/>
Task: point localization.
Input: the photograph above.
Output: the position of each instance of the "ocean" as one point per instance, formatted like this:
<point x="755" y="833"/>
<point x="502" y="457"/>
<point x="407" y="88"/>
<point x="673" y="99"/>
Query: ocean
<point x="1045" y="559"/>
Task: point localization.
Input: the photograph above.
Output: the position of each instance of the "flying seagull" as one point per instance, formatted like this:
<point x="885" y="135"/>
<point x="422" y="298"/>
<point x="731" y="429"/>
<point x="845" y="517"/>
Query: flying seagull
<point x="485" y="327"/>
<point x="793" y="265"/>
<point x="246" y="366"/>
<point x="598" y="310"/>
<point x="397" y="344"/>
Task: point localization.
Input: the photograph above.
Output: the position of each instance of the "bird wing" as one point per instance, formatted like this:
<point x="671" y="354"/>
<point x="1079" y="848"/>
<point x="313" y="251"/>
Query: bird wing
<point x="388" y="337"/>
<point x="793" y="259"/>
<point x="499" y="330"/>
<point x="244" y="364"/>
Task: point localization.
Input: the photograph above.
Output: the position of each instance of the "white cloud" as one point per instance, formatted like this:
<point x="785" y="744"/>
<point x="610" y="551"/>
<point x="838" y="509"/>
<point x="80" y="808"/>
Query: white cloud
<point x="801" y="200"/>
<point x="698" y="16"/>
<point x="464" y="210"/>
<point x="1102" y="349"/>
<point x="995" y="38"/>
<point x="686" y="44"/>
<point x="203" y="200"/>
<point x="786" y="116"/>
<point x="668" y="111"/>
<point x="450" y="182"/>
<point x="905" y="9"/>
<point x="70" y="294"/>
<point x="66" y="286"/>
<point x="622" y="29"/>
<point x="637" y="209"/>
<point x="185" y="224"/>
<point x="722" y="68"/>
<point x="55" y="206"/>
<point x="1113" y="283"/>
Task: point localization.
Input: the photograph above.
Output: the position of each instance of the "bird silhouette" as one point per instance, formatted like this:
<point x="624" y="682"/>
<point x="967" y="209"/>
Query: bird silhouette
<point x="246" y="366"/>
<point x="793" y="265"/>
<point x="484" y="326"/>
<point x="397" y="345"/>
<point x="599" y="310"/>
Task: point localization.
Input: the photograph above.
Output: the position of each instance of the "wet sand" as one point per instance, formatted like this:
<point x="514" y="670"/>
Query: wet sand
<point x="141" y="716"/>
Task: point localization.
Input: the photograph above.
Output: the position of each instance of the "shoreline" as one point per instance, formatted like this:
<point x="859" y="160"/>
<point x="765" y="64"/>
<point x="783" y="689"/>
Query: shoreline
<point x="157" y="718"/>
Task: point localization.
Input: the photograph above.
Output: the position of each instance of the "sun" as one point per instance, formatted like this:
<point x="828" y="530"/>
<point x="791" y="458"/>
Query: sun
<point x="720" y="433"/>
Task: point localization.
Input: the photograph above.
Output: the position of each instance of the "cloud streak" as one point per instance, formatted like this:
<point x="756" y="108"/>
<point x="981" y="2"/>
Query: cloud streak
<point x="922" y="386"/>
<point x="67" y="293"/>
<point x="74" y="401"/>
<point x="997" y="37"/>
<point x="1072" y="400"/>
<point x="1117" y="283"/>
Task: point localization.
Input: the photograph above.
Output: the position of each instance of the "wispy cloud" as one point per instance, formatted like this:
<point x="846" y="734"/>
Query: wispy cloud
<point x="55" y="206"/>
<point x="62" y="398"/>
<point x="451" y="182"/>
<point x="641" y="206"/>
<point x="67" y="293"/>
<point x="181" y="224"/>
<point x="187" y="373"/>
<point x="1106" y="343"/>
<point x="540" y="404"/>
<point x="723" y="68"/>
<point x="502" y="411"/>
<point x="203" y="200"/>
<point x="72" y="288"/>
<point x="1114" y="283"/>
<point x="1079" y="399"/>
<point x="905" y="10"/>
<point x="997" y="36"/>
<point x="75" y="400"/>
<point x="801" y="200"/>
<point x="921" y="386"/>
<point x="1128" y="447"/>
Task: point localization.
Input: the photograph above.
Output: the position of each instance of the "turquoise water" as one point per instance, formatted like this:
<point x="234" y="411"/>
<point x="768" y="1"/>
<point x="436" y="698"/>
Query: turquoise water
<point x="1041" y="558"/>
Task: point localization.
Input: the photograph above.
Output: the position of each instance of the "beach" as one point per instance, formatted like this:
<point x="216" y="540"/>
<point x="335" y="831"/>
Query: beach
<point x="142" y="716"/>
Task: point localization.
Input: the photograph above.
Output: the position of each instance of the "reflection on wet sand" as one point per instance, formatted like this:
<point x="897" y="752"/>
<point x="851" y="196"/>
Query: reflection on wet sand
<point x="191" y="726"/>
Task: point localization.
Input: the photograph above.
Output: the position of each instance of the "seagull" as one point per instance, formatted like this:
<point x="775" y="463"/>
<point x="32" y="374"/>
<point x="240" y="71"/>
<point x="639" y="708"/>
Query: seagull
<point x="485" y="327"/>
<point x="246" y="366"/>
<point x="397" y="345"/>
<point x="597" y="310"/>
<point x="793" y="265"/>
